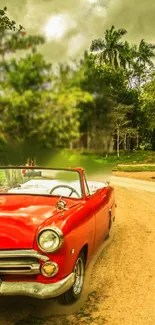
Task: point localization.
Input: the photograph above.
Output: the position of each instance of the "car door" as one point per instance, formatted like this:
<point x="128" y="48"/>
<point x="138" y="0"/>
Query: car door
<point x="102" y="216"/>
<point x="98" y="202"/>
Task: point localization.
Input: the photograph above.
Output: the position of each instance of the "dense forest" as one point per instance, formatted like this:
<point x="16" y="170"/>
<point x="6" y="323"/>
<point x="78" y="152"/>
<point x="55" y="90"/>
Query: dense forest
<point x="103" y="102"/>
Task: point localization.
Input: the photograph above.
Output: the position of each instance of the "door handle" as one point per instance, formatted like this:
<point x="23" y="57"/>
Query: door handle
<point x="104" y="196"/>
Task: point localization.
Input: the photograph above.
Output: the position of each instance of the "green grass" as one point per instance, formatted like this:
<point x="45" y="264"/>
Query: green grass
<point x="17" y="154"/>
<point x="130" y="158"/>
<point x="134" y="168"/>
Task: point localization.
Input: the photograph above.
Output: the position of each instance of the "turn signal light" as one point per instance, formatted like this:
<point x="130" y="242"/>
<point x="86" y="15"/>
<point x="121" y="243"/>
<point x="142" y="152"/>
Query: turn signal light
<point x="49" y="269"/>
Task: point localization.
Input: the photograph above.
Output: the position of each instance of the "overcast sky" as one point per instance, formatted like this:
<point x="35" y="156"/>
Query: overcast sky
<point x="70" y="25"/>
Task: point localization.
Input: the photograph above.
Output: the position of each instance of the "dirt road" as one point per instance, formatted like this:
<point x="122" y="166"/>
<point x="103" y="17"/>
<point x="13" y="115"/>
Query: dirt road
<point x="146" y="176"/>
<point x="122" y="290"/>
<point x="133" y="183"/>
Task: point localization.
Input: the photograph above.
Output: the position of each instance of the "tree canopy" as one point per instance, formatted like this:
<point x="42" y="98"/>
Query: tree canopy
<point x="103" y="102"/>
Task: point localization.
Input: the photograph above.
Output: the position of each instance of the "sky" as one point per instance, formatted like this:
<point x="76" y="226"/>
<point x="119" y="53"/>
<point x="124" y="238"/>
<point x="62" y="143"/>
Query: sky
<point x="70" y="25"/>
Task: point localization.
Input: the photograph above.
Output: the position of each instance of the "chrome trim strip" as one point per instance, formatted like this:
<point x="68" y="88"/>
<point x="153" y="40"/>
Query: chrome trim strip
<point x="23" y="253"/>
<point x="16" y="268"/>
<point x="37" y="290"/>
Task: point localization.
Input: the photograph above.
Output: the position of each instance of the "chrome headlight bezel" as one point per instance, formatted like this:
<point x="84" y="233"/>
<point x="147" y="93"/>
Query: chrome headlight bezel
<point x="57" y="232"/>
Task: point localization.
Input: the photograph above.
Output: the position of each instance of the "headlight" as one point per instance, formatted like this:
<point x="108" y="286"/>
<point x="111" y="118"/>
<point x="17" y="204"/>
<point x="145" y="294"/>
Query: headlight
<point x="50" y="239"/>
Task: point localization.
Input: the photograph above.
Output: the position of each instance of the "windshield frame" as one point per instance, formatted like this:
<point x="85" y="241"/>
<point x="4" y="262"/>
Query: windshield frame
<point x="24" y="167"/>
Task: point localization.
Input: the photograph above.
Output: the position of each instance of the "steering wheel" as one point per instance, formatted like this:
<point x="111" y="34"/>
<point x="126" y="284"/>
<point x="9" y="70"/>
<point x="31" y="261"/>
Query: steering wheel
<point x="65" y="186"/>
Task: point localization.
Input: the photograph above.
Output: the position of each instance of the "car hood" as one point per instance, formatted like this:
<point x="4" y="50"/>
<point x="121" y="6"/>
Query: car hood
<point x="21" y="215"/>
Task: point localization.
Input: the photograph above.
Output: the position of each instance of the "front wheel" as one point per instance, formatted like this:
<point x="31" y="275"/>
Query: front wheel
<point x="73" y="294"/>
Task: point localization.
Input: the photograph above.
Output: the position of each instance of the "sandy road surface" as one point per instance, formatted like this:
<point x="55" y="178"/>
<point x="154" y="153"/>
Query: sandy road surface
<point x="133" y="183"/>
<point x="147" y="176"/>
<point x="122" y="290"/>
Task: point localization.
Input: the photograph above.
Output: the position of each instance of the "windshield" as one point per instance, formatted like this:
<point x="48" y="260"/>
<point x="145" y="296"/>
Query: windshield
<point x="36" y="181"/>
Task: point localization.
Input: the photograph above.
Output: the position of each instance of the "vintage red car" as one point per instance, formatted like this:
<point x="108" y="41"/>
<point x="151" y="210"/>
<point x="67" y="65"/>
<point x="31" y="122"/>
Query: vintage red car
<point x="51" y="222"/>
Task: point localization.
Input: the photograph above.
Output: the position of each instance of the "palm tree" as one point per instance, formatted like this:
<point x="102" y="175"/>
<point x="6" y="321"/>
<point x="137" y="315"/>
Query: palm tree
<point x="126" y="55"/>
<point x="144" y="54"/>
<point x="108" y="50"/>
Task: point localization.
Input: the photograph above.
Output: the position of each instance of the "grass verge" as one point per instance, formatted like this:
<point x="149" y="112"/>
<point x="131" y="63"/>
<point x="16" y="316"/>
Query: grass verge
<point x="134" y="168"/>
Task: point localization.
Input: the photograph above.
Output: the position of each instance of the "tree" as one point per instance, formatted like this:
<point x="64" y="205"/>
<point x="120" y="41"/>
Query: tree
<point x="6" y="23"/>
<point x="10" y="42"/>
<point x="144" y="53"/>
<point x="13" y="38"/>
<point x="122" y="124"/>
<point x="110" y="48"/>
<point x="81" y="103"/>
<point x="94" y="121"/>
<point x="58" y="119"/>
<point x="142" y="65"/>
<point x="31" y="72"/>
<point x="126" y="56"/>
<point x="51" y="119"/>
<point x="109" y="88"/>
<point x="147" y="101"/>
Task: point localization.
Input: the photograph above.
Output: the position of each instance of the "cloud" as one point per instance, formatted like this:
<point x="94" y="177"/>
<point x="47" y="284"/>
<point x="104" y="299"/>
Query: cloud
<point x="68" y="25"/>
<point x="135" y="16"/>
<point x="57" y="26"/>
<point x="78" y="22"/>
<point x="100" y="11"/>
<point x="76" y="44"/>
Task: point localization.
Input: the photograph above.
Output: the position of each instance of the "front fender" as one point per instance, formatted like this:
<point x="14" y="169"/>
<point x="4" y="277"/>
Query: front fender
<point x="81" y="233"/>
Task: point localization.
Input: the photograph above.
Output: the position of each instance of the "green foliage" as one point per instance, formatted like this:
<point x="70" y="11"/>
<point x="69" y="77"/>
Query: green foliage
<point x="13" y="38"/>
<point x="135" y="60"/>
<point x="6" y="23"/>
<point x="110" y="48"/>
<point x="31" y="72"/>
<point x="134" y="158"/>
<point x="57" y="119"/>
<point x="147" y="98"/>
<point x="104" y="102"/>
<point x="144" y="53"/>
<point x="51" y="118"/>
<point x="18" y="40"/>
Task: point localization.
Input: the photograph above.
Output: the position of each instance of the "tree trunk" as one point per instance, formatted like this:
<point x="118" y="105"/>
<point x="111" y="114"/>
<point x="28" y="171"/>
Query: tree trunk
<point x="71" y="145"/>
<point x="118" y="140"/>
<point x="129" y="144"/>
<point x="88" y="140"/>
<point x="125" y="142"/>
<point x="137" y="140"/>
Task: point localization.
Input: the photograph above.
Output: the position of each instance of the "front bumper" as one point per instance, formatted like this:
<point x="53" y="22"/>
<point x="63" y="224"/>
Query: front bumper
<point x="37" y="290"/>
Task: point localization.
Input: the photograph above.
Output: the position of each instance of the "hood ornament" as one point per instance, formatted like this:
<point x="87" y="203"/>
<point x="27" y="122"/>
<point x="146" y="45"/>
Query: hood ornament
<point x="61" y="205"/>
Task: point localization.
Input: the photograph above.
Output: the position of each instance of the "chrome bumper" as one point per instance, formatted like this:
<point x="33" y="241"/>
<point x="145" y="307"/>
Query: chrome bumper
<point x="37" y="290"/>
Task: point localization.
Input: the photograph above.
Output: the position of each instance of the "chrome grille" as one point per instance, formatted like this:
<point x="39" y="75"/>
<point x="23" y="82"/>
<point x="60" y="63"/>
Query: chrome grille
<point x="20" y="262"/>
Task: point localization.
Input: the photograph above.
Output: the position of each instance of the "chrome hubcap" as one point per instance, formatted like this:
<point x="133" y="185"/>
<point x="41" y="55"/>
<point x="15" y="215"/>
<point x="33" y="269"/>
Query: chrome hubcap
<point x="79" y="276"/>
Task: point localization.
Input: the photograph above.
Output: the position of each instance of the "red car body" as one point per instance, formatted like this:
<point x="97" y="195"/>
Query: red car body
<point x="84" y="225"/>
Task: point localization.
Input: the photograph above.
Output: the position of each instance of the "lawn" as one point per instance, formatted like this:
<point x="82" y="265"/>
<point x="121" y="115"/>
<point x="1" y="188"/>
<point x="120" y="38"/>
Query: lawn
<point x="134" y="168"/>
<point x="137" y="157"/>
<point x="91" y="162"/>
<point x="131" y="162"/>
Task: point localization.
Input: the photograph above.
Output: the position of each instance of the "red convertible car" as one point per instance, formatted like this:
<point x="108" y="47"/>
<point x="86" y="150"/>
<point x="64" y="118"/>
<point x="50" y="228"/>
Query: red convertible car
<point x="51" y="222"/>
